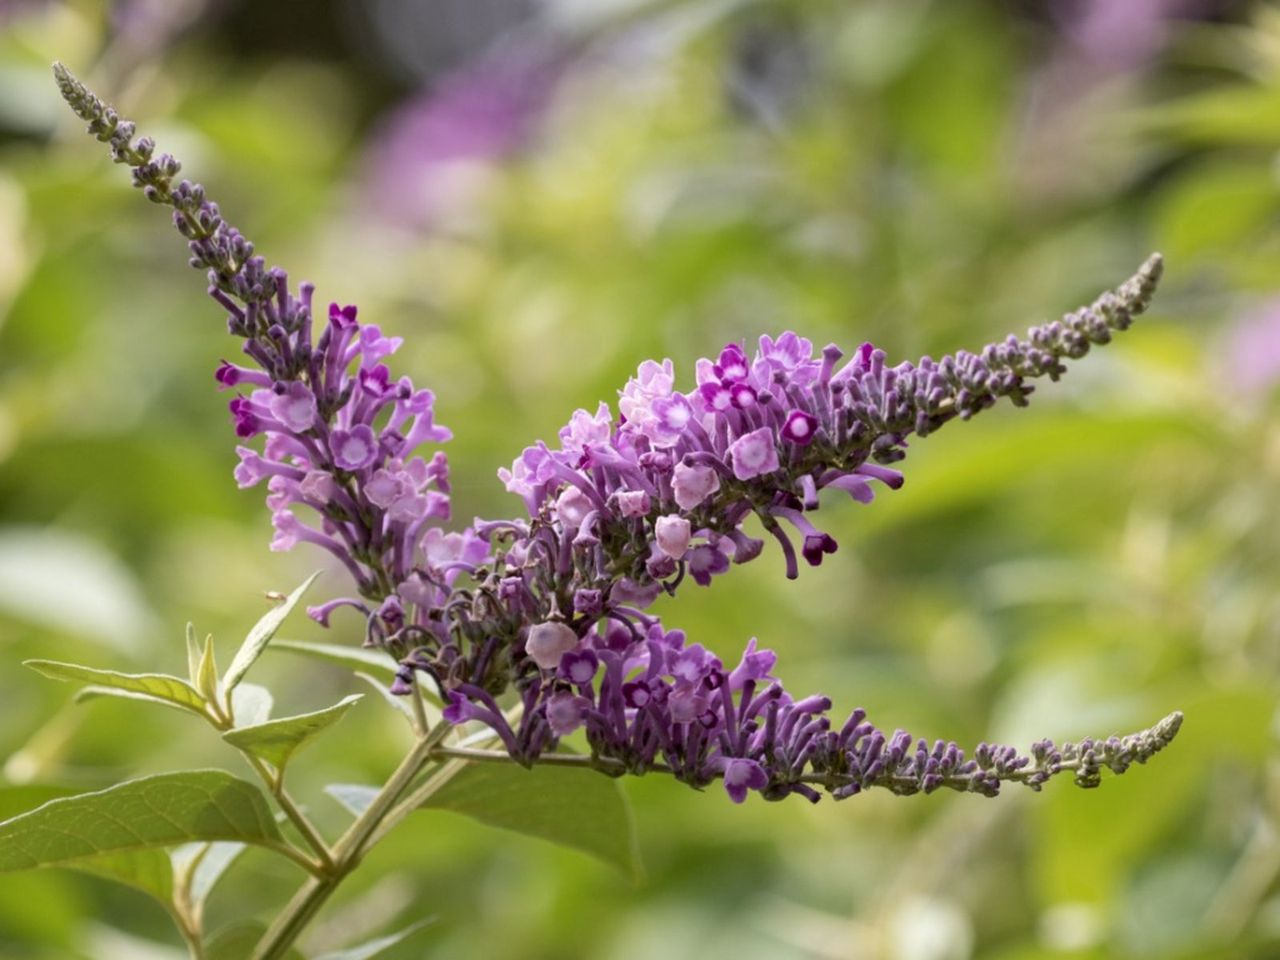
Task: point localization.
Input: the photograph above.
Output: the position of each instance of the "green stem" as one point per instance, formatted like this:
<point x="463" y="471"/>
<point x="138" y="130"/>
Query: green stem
<point x="286" y="849"/>
<point x="547" y="759"/>
<point x="190" y="930"/>
<point x="437" y="779"/>
<point x="274" y="782"/>
<point x="419" y="713"/>
<point x="346" y="853"/>
<point x="457" y="758"/>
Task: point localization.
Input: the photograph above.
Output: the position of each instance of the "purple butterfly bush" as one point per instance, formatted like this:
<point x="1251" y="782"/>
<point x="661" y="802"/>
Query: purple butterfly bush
<point x="622" y="509"/>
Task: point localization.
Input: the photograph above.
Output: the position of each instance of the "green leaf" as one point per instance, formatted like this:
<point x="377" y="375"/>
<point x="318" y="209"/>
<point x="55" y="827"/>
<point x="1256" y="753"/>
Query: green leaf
<point x="355" y="797"/>
<point x="357" y="658"/>
<point x="147" y="870"/>
<point x="157" y="811"/>
<point x="251" y="704"/>
<point x="206" y="680"/>
<point x="276" y="740"/>
<point x="157" y="687"/>
<point x="238" y="940"/>
<point x="261" y="635"/>
<point x="22" y="798"/>
<point x="573" y="807"/>
<point x="193" y="653"/>
<point x="371" y="948"/>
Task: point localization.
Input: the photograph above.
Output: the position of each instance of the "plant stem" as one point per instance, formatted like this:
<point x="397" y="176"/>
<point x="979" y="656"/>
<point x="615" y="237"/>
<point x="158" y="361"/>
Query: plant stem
<point x="419" y="713"/>
<point x="346" y="853"/>
<point x="275" y="783"/>
<point x="190" y="930"/>
<point x="547" y="759"/>
<point x="457" y="758"/>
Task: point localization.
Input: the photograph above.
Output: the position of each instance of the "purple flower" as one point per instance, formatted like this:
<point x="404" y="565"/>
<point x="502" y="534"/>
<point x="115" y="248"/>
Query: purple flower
<point x="353" y="449"/>
<point x="566" y="713"/>
<point x="633" y="503"/>
<point x="716" y="397"/>
<point x="789" y="353"/>
<point x="672" y="536"/>
<point x="668" y="418"/>
<point x="294" y="405"/>
<point x="586" y="430"/>
<point x="742" y="775"/>
<point x="548" y="642"/>
<point x="799" y="428"/>
<point x="578" y="667"/>
<point x="704" y="562"/>
<point x="572" y="507"/>
<point x="754" y="454"/>
<point x="692" y="484"/>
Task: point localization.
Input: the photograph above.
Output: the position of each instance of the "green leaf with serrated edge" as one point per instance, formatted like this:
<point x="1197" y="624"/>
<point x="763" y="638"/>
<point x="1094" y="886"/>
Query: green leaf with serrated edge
<point x="147" y="870"/>
<point x="357" y="658"/>
<point x="200" y="865"/>
<point x="161" y="687"/>
<point x="207" y="672"/>
<point x="238" y="940"/>
<point x="276" y="740"/>
<point x="156" y="811"/>
<point x="251" y="704"/>
<point x="354" y="797"/>
<point x="371" y="948"/>
<point x="569" y="806"/>
<point x="193" y="653"/>
<point x="261" y="635"/>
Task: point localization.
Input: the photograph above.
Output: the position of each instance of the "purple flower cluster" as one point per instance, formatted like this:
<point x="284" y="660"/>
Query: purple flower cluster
<point x="340" y="433"/>
<point x="670" y="483"/>
<point x="680" y="472"/>
<point x="620" y="511"/>
<point x="340" y="440"/>
<point x="647" y="700"/>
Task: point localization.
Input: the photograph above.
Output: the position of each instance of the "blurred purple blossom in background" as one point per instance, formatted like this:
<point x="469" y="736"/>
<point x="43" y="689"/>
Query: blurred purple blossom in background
<point x="1121" y="36"/>
<point x="1251" y="353"/>
<point x="431" y="150"/>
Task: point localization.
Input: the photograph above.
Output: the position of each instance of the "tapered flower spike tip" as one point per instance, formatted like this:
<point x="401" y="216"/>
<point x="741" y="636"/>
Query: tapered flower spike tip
<point x="1168" y="728"/>
<point x="77" y="95"/>
<point x="1138" y="290"/>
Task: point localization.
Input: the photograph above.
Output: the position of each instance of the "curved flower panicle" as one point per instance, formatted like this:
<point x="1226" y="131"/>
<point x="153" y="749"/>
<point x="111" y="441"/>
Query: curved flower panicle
<point x="647" y="700"/>
<point x="764" y="434"/>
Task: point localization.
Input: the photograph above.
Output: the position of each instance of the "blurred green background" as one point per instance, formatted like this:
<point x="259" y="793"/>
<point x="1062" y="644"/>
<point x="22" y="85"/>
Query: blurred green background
<point x="538" y="195"/>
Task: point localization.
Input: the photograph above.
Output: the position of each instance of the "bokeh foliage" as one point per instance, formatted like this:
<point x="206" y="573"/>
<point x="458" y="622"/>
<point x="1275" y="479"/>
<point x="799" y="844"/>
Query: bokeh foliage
<point x="924" y="175"/>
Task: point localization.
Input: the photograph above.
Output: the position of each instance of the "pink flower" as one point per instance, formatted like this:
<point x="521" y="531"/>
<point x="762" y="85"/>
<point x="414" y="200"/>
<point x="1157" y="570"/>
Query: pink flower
<point x="548" y="642"/>
<point x="672" y="534"/>
<point x="693" y="484"/>
<point x="754" y="454"/>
